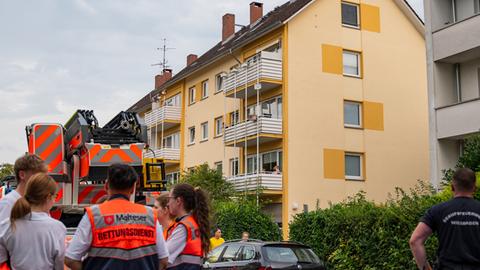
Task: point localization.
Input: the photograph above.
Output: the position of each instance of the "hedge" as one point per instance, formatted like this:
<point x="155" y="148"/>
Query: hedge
<point x="235" y="217"/>
<point x="359" y="234"/>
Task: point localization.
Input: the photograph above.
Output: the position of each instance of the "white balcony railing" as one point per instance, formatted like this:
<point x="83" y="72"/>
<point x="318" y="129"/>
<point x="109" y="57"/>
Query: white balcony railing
<point x="264" y="65"/>
<point x="249" y="128"/>
<point x="458" y="120"/>
<point x="165" y="153"/>
<point x="158" y="115"/>
<point x="250" y="182"/>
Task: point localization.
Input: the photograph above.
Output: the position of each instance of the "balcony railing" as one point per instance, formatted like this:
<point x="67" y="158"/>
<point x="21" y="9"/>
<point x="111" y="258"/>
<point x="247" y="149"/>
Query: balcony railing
<point x="265" y="67"/>
<point x="458" y="120"/>
<point x="250" y="182"/>
<point x="267" y="127"/>
<point x="165" y="113"/>
<point x="165" y="153"/>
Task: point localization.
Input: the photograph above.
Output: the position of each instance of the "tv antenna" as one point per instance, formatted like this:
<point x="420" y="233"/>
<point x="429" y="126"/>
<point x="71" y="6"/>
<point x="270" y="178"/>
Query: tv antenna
<point x="163" y="63"/>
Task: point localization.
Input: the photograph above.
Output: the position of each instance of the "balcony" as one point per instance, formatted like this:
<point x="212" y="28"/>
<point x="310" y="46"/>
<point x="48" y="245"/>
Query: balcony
<point x="458" y="42"/>
<point x="267" y="182"/>
<point x="170" y="155"/>
<point x="170" y="116"/>
<point x="268" y="129"/>
<point x="264" y="67"/>
<point x="458" y="120"/>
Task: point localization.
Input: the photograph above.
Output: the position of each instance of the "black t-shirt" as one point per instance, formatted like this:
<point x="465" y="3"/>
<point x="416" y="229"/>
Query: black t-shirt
<point x="457" y="224"/>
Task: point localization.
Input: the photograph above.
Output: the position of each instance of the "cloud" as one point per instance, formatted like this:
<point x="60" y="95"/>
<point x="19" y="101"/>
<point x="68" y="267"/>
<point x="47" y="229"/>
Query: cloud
<point x="58" y="56"/>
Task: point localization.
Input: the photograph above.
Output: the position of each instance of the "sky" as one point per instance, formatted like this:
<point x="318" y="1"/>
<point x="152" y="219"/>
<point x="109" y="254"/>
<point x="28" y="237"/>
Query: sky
<point x="57" y="56"/>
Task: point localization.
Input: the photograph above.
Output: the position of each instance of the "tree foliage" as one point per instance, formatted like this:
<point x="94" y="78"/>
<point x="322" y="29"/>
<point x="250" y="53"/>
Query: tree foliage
<point x="470" y="158"/>
<point x="211" y="181"/>
<point x="6" y="169"/>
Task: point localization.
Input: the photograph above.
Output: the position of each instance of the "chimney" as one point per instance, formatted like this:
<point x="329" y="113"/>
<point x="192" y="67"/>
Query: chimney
<point x="256" y="11"/>
<point x="163" y="78"/>
<point x="228" y="26"/>
<point x="191" y="58"/>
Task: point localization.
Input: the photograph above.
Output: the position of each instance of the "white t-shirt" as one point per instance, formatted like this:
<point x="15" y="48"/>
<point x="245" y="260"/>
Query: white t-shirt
<point x="37" y="242"/>
<point x="6" y="205"/>
<point x="82" y="240"/>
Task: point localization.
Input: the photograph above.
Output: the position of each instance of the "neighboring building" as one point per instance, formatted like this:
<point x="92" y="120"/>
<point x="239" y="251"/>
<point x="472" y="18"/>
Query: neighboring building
<point x="453" y="57"/>
<point x="312" y="102"/>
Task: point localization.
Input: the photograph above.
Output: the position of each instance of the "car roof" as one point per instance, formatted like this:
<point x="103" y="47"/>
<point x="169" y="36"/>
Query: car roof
<point x="257" y="242"/>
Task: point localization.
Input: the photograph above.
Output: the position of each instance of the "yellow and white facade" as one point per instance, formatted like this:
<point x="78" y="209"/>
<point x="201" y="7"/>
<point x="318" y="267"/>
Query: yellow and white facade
<point x="312" y="111"/>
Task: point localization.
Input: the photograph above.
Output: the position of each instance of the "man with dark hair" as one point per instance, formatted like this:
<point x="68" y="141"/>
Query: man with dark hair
<point x="118" y="234"/>
<point x="24" y="167"/>
<point x="457" y="224"/>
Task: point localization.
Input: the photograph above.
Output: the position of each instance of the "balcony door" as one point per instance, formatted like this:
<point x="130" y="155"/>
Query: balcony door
<point x="174" y="101"/>
<point x="271" y="108"/>
<point x="172" y="141"/>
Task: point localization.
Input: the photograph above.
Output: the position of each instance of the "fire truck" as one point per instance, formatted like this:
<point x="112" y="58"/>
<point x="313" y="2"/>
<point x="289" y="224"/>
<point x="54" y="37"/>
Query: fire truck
<point x="79" y="153"/>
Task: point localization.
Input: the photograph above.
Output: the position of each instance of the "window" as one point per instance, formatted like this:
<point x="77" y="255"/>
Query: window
<point x="191" y="132"/>
<point x="272" y="108"/>
<point x="219" y="82"/>
<point x="231" y="254"/>
<point x="272" y="161"/>
<point x="219" y="166"/>
<point x="234" y="166"/>
<point x="252" y="164"/>
<point x="172" y="178"/>
<point x="350" y="15"/>
<point x="352" y="114"/>
<point x="205" y="89"/>
<point x="172" y="141"/>
<point x="204" y="131"/>
<point x="215" y="254"/>
<point x="218" y="126"/>
<point x="191" y="95"/>
<point x="173" y="101"/>
<point x="234" y="118"/>
<point x="248" y="253"/>
<point x="353" y="166"/>
<point x="351" y="63"/>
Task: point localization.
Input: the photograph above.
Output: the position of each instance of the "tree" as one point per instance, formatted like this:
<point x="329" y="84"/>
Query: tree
<point x="6" y="169"/>
<point x="210" y="180"/>
<point x="470" y="158"/>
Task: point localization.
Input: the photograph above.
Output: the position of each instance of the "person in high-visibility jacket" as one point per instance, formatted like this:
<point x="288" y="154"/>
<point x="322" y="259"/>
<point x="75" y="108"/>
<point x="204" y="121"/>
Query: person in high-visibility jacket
<point x="188" y="240"/>
<point x="118" y="234"/>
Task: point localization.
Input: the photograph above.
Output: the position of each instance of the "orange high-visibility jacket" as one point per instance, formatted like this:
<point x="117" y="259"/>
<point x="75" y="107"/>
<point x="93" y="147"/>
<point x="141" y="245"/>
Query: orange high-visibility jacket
<point x="123" y="236"/>
<point x="192" y="253"/>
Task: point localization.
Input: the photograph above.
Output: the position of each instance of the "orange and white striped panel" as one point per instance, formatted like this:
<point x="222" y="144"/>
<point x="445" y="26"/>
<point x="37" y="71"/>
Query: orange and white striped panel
<point x="48" y="144"/>
<point x="104" y="155"/>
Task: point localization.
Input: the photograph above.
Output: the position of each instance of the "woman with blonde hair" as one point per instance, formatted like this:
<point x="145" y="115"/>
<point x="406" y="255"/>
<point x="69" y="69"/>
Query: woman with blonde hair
<point x="31" y="239"/>
<point x="163" y="214"/>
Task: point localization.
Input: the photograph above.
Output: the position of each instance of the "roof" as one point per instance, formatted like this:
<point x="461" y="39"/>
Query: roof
<point x="268" y="23"/>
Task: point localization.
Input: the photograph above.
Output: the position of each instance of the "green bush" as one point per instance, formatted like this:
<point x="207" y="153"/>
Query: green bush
<point x="235" y="217"/>
<point x="358" y="234"/>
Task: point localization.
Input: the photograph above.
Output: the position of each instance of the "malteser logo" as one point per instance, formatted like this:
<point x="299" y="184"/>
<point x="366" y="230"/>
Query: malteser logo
<point x="130" y="218"/>
<point x="108" y="220"/>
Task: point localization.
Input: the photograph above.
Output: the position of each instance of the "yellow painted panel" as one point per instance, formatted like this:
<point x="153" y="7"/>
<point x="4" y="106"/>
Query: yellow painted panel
<point x="373" y="115"/>
<point x="370" y="18"/>
<point x="332" y="59"/>
<point x="198" y="89"/>
<point x="333" y="164"/>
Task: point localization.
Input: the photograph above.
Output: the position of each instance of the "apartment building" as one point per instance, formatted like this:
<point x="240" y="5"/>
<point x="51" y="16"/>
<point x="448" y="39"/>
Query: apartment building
<point x="453" y="55"/>
<point x="312" y="102"/>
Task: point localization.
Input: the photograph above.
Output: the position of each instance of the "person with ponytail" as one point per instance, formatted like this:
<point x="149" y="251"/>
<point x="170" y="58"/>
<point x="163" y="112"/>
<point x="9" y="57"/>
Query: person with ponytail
<point x="188" y="240"/>
<point x="31" y="239"/>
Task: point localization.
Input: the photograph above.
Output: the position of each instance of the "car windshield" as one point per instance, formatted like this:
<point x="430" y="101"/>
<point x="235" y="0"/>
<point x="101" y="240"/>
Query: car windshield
<point x="290" y="254"/>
